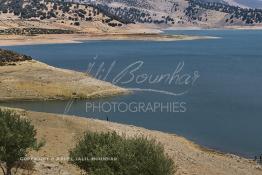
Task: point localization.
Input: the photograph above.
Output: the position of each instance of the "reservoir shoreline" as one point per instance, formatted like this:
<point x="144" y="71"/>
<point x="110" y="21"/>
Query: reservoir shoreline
<point x="19" y="40"/>
<point x="189" y="157"/>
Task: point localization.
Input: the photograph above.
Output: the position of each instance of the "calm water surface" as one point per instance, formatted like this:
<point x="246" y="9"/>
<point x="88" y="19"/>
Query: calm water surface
<point x="224" y="106"/>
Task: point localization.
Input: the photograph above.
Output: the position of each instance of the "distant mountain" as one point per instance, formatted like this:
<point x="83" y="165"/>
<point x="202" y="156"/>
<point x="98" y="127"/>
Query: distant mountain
<point x="192" y="12"/>
<point x="240" y="3"/>
<point x="105" y="14"/>
<point x="250" y="3"/>
<point x="220" y="1"/>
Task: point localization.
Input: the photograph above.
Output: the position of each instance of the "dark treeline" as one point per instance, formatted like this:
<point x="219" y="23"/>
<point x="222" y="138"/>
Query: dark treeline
<point x="7" y="56"/>
<point x="128" y="15"/>
<point x="34" y="31"/>
<point x="124" y="15"/>
<point x="131" y="3"/>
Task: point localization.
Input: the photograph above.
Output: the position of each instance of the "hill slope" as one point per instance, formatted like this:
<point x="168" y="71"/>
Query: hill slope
<point x="22" y="78"/>
<point x="110" y="15"/>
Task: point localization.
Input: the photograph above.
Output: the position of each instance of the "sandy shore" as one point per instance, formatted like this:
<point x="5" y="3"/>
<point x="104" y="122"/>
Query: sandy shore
<point x="60" y="132"/>
<point x="33" y="80"/>
<point x="232" y="27"/>
<point x="257" y="27"/>
<point x="11" y="40"/>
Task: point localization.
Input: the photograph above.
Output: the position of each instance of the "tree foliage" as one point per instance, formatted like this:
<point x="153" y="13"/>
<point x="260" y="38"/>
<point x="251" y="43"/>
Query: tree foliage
<point x="17" y="136"/>
<point x="130" y="156"/>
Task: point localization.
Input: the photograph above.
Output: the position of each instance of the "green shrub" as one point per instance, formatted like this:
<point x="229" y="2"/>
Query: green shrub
<point x="17" y="136"/>
<point x="131" y="156"/>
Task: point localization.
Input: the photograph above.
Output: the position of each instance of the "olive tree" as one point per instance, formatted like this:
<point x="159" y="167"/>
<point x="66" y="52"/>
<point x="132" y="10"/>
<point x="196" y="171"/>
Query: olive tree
<point x="111" y="154"/>
<point x="17" y="137"/>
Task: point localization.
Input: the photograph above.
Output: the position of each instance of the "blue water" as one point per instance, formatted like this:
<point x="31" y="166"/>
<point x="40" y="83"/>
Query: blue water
<point x="223" y="107"/>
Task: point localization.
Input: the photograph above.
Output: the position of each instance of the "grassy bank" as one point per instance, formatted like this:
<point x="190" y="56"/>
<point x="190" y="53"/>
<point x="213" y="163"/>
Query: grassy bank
<point x="60" y="133"/>
<point x="22" y="78"/>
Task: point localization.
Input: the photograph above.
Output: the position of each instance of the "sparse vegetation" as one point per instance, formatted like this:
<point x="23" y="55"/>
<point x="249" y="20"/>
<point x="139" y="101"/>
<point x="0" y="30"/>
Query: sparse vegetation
<point x="7" y="57"/>
<point x="112" y="16"/>
<point x="34" y="31"/>
<point x="131" y="12"/>
<point x="111" y="154"/>
<point x="38" y="10"/>
<point x="248" y="16"/>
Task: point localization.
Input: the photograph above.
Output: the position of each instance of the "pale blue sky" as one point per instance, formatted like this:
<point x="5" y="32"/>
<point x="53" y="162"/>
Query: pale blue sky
<point x="251" y="3"/>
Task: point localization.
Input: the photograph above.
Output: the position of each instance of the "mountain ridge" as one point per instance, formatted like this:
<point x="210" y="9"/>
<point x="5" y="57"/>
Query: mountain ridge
<point x="112" y="15"/>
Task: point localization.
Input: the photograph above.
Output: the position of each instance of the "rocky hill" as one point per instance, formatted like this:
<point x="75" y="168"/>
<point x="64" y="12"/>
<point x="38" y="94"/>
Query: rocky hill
<point x="78" y="16"/>
<point x="10" y="57"/>
<point x="190" y="12"/>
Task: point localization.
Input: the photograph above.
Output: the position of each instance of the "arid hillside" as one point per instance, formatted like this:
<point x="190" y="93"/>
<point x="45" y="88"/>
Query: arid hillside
<point x="55" y="16"/>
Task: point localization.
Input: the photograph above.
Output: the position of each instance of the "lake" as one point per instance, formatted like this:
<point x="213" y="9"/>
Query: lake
<point x="221" y="109"/>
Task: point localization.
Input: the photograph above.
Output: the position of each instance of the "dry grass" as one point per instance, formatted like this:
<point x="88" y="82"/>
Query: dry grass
<point x="32" y="80"/>
<point x="60" y="133"/>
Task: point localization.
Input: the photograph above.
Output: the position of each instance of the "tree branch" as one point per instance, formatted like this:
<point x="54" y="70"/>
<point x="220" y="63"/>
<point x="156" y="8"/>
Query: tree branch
<point x="2" y="168"/>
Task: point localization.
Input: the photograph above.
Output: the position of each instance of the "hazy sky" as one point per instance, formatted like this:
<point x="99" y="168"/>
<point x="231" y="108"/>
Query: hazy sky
<point x="251" y="3"/>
